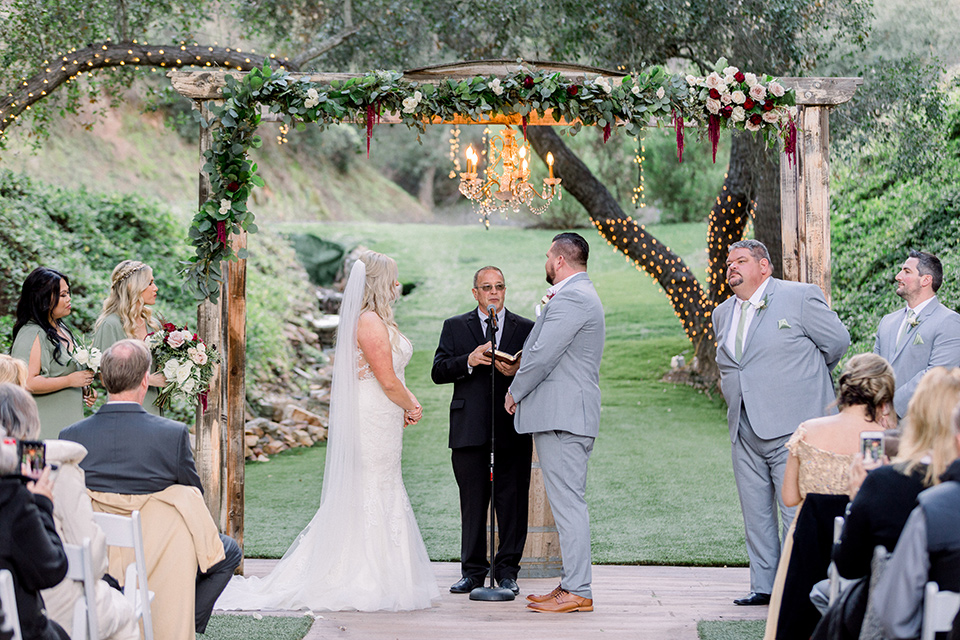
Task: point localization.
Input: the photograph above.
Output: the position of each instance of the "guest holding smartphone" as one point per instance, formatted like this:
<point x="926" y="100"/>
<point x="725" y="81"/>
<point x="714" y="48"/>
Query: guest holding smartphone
<point x="44" y="341"/>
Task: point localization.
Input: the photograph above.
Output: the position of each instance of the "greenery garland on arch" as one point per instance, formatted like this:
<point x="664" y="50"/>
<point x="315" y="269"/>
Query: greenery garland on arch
<point x="726" y="98"/>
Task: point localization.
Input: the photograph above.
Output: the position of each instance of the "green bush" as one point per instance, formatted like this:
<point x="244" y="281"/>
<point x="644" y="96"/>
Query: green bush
<point x="876" y="220"/>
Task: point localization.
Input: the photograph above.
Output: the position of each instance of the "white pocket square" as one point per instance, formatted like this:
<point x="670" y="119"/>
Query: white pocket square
<point x="917" y="339"/>
<point x="783" y="324"/>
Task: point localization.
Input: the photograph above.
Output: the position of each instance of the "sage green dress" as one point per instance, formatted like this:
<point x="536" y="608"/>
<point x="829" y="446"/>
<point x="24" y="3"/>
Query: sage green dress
<point x="111" y="331"/>
<point x="59" y="409"/>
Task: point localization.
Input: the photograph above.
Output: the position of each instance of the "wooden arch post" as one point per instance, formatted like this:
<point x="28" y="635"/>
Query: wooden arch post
<point x="804" y="184"/>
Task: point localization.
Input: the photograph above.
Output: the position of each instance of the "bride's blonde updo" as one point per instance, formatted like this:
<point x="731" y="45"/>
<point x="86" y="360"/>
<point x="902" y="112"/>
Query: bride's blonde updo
<point x="868" y="380"/>
<point x="379" y="294"/>
<point x="127" y="283"/>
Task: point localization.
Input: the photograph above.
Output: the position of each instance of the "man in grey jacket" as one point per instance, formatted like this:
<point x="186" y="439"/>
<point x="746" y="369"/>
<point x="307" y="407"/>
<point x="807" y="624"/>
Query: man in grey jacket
<point x="924" y="335"/>
<point x="777" y="342"/>
<point x="556" y="397"/>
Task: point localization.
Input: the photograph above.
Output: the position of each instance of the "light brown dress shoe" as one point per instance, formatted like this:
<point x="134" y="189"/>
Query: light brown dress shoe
<point x="563" y="602"/>
<point x="546" y="596"/>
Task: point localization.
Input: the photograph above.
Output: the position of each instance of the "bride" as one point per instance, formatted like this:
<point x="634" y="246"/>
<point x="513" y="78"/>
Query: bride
<point x="362" y="550"/>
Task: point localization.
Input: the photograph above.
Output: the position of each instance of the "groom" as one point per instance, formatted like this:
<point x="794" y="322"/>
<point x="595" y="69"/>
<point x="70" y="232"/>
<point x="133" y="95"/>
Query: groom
<point x="556" y="397"/>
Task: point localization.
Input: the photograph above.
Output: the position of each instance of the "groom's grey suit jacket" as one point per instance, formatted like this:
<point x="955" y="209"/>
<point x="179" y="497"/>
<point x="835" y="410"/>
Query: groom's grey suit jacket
<point x="558" y="384"/>
<point x="783" y="376"/>
<point x="933" y="342"/>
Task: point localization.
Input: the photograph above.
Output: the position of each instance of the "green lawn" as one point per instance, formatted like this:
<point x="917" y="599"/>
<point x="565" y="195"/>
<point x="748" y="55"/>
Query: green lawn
<point x="660" y="485"/>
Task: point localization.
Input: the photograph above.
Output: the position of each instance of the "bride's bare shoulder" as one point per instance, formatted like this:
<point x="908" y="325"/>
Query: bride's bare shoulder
<point x="371" y="324"/>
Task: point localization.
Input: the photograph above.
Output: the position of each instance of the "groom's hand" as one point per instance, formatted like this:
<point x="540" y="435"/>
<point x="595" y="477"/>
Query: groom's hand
<point x="509" y="404"/>
<point x="476" y="357"/>
<point x="506" y="369"/>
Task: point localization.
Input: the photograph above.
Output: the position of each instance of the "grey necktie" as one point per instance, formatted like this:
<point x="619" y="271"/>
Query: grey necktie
<point x="740" y="327"/>
<point x="911" y="314"/>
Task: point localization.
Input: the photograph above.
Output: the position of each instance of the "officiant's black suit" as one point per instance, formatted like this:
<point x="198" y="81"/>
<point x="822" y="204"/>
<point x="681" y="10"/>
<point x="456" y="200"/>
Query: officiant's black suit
<point x="470" y="443"/>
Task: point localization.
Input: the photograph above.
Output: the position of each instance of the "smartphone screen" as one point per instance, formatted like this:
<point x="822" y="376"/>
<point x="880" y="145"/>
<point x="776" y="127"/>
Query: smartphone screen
<point x="33" y="457"/>
<point x="871" y="446"/>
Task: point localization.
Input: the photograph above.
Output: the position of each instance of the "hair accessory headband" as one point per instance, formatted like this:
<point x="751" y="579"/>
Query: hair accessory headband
<point x="129" y="271"/>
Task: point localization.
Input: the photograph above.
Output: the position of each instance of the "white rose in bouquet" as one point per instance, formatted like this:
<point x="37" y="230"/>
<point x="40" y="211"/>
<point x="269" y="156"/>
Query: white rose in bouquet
<point x="183" y="371"/>
<point x="170" y="369"/>
<point x="189" y="386"/>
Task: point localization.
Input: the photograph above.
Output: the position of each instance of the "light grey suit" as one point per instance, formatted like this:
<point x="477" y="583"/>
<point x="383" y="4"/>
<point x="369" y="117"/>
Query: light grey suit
<point x="782" y="379"/>
<point x="938" y="345"/>
<point x="557" y="391"/>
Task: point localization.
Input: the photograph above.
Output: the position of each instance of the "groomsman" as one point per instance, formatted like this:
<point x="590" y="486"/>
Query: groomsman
<point x="777" y="342"/>
<point x="921" y="336"/>
<point x="460" y="360"/>
<point x="556" y="397"/>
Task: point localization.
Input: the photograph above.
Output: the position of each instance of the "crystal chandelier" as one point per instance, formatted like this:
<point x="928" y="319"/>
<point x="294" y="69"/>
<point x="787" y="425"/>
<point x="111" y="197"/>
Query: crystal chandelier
<point x="508" y="188"/>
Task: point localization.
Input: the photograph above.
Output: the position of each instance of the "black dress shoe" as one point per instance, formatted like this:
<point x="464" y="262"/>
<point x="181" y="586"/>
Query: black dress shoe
<point x="510" y="583"/>
<point x="753" y="599"/>
<point x="466" y="585"/>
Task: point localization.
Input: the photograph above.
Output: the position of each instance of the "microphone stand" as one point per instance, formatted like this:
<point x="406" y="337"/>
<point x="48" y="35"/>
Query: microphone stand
<point x="492" y="593"/>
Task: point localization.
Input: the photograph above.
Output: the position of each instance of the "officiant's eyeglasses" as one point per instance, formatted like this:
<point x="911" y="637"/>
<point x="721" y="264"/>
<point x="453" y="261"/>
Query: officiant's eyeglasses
<point x="487" y="288"/>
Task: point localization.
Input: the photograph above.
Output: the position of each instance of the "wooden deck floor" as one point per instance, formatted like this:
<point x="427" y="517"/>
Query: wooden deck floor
<point x="630" y="602"/>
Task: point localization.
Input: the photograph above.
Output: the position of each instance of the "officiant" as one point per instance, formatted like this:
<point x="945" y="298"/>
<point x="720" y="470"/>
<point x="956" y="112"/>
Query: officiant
<point x="461" y="360"/>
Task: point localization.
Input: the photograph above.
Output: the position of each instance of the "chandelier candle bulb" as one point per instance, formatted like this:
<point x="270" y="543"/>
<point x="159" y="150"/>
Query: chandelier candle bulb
<point x="550" y="163"/>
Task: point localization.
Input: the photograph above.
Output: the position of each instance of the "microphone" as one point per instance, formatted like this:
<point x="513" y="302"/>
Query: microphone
<point x="492" y="316"/>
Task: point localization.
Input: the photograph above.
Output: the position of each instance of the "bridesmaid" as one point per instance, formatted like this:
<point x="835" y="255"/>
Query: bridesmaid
<point x="127" y="314"/>
<point x="44" y="342"/>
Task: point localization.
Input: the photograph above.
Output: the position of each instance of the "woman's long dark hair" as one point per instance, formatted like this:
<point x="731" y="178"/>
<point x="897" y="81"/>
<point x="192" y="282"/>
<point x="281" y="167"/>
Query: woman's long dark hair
<point x="38" y="296"/>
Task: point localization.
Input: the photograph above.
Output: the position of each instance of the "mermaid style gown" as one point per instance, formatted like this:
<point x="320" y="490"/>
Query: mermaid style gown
<point x="364" y="554"/>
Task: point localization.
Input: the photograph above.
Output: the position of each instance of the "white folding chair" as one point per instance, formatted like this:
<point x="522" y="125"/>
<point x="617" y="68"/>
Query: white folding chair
<point x="832" y="573"/>
<point x="939" y="610"/>
<point x="126" y="532"/>
<point x="80" y="568"/>
<point x="8" y="604"/>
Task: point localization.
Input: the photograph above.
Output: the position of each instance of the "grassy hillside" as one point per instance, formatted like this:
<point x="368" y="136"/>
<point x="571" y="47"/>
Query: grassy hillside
<point x="131" y="152"/>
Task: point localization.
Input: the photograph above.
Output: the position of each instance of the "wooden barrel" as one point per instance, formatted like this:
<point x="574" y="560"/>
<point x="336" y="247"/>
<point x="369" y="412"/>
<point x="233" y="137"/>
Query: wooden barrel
<point x="541" y="553"/>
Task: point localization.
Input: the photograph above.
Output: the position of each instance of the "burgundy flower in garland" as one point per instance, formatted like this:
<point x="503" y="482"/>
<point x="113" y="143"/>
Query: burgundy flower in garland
<point x="222" y="232"/>
<point x="756" y="119"/>
<point x="678" y="125"/>
<point x="768" y="105"/>
<point x="749" y="104"/>
<point x="713" y="133"/>
<point x="726" y="111"/>
<point x="233" y="186"/>
<point x="528" y="82"/>
<point x="573" y="90"/>
<point x="714" y="94"/>
<point x="739" y="77"/>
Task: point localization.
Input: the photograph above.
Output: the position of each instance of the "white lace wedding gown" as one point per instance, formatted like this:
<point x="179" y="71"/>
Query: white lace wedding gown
<point x="362" y="550"/>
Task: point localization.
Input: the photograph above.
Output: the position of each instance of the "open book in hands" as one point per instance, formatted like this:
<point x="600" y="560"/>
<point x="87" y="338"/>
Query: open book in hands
<point x="503" y="356"/>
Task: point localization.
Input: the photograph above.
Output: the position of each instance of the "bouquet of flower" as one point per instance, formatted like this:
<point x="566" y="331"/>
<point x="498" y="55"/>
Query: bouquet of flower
<point x="183" y="359"/>
<point x="86" y="357"/>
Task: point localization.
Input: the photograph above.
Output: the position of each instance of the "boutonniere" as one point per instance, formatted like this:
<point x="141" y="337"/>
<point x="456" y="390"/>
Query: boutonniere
<point x="783" y="324"/>
<point x="545" y="299"/>
<point x="917" y="339"/>
<point x="762" y="304"/>
<point x="914" y="322"/>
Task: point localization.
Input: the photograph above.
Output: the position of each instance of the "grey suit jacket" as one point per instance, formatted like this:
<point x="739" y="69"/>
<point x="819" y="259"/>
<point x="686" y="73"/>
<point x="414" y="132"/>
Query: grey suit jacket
<point x="130" y="451"/>
<point x="783" y="377"/>
<point x="938" y="345"/>
<point x="558" y="384"/>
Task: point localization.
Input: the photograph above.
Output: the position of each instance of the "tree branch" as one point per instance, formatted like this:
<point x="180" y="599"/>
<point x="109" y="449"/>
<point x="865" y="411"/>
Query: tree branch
<point x="112" y="55"/>
<point x="322" y="47"/>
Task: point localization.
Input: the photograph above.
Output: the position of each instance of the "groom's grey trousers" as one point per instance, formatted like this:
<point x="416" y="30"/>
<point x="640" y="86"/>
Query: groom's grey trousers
<point x="563" y="460"/>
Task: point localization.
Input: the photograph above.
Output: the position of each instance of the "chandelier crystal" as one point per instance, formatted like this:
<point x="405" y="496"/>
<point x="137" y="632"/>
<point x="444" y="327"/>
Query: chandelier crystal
<point x="507" y="188"/>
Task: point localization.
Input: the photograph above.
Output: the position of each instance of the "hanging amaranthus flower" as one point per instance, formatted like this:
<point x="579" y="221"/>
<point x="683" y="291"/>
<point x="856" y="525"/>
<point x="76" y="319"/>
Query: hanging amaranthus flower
<point x="678" y="125"/>
<point x="713" y="133"/>
<point x="606" y="133"/>
<point x="790" y="143"/>
<point x="523" y="123"/>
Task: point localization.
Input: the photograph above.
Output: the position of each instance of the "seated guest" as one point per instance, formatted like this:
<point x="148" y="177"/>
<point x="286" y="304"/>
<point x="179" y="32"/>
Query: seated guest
<point x="73" y="517"/>
<point x="884" y="497"/>
<point x="928" y="548"/>
<point x="132" y="455"/>
<point x="29" y="546"/>
<point x="12" y="370"/>
<point x="821" y="451"/>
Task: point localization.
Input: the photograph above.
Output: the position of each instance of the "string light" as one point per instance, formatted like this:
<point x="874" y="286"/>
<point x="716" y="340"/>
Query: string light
<point x="454" y="151"/>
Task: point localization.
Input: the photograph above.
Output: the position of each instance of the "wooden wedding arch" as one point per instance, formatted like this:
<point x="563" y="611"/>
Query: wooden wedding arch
<point x="805" y="223"/>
